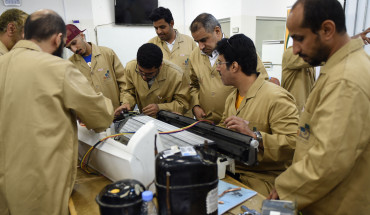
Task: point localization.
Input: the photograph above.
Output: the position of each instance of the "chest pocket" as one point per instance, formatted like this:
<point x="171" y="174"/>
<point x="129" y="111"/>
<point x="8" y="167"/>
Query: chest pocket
<point x="107" y="76"/>
<point x="304" y="134"/>
<point x="304" y="127"/>
<point x="184" y="59"/>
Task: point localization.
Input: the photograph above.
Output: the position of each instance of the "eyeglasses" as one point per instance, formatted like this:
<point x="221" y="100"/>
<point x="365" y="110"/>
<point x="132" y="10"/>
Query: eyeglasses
<point x="219" y="63"/>
<point x="147" y="75"/>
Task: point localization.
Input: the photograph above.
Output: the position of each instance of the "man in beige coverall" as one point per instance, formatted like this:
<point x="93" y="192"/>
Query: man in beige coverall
<point x="330" y="171"/>
<point x="297" y="77"/>
<point x="176" y="47"/>
<point x="206" y="88"/>
<point x="40" y="97"/>
<point x="11" y="28"/>
<point x="100" y="65"/>
<point x="154" y="84"/>
<point x="259" y="109"/>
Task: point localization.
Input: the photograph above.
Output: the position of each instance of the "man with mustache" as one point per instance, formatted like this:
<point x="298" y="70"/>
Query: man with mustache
<point x="206" y="88"/>
<point x="298" y="76"/>
<point x="11" y="28"/>
<point x="176" y="47"/>
<point x="330" y="169"/>
<point x="99" y="64"/>
<point x="40" y="98"/>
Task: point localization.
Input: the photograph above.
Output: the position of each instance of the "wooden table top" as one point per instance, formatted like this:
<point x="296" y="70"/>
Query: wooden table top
<point x="87" y="187"/>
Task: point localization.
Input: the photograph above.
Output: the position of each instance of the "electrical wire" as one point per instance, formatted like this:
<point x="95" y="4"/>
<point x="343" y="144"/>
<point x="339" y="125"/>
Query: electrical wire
<point x="182" y="129"/>
<point x="84" y="165"/>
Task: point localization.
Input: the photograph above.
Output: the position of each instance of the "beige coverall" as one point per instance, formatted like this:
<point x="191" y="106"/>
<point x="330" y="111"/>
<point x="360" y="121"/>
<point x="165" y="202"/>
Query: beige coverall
<point x="181" y="51"/>
<point x="206" y="87"/>
<point x="297" y="77"/>
<point x="169" y="89"/>
<point x="3" y="49"/>
<point x="106" y="72"/>
<point x="271" y="110"/>
<point x="330" y="171"/>
<point x="40" y="96"/>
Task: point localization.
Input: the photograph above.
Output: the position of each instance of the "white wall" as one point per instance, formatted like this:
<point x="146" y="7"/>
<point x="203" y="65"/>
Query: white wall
<point x="358" y="18"/>
<point x="96" y="15"/>
<point x="242" y="13"/>
<point x="177" y="8"/>
<point x="124" y="40"/>
<point x="31" y="6"/>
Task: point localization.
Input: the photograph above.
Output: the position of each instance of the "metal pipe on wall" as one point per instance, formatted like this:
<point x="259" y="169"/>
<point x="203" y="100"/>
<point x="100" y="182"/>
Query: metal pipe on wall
<point x="354" y="24"/>
<point x="365" y="16"/>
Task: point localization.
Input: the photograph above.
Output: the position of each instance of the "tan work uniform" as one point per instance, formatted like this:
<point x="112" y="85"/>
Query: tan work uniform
<point x="272" y="111"/>
<point x="169" y="90"/>
<point x="181" y="50"/>
<point x="206" y="87"/>
<point x="106" y="72"/>
<point x="3" y="49"/>
<point x="179" y="55"/>
<point x="40" y="96"/>
<point x="330" y="171"/>
<point x="297" y="77"/>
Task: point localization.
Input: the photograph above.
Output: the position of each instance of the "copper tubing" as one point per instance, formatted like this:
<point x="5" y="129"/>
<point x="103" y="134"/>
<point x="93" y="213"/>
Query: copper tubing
<point x="168" y="174"/>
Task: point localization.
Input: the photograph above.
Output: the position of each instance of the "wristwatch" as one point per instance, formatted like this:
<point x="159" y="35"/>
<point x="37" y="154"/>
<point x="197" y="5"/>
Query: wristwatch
<point x="258" y="136"/>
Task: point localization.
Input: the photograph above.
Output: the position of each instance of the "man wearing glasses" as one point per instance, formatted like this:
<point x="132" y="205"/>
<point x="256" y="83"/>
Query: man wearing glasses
<point x="257" y="108"/>
<point x="153" y="84"/>
<point x="206" y="88"/>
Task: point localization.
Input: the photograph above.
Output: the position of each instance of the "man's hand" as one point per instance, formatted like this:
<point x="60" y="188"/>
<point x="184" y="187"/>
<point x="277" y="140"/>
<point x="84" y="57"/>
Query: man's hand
<point x="151" y="110"/>
<point x="273" y="195"/>
<point x="122" y="108"/>
<point x="363" y="36"/>
<point x="198" y="112"/>
<point x="240" y="125"/>
<point x="275" y="81"/>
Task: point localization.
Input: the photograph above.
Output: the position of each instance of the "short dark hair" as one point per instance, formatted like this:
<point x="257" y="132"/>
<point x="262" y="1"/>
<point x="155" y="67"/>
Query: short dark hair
<point x="41" y="26"/>
<point x="149" y="55"/>
<point x="12" y="15"/>
<point x="315" y="12"/>
<point x="161" y="13"/>
<point x="206" y="21"/>
<point x="241" y="49"/>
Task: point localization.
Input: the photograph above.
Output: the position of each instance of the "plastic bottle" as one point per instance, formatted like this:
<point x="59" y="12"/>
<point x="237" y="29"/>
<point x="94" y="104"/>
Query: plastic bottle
<point x="148" y="207"/>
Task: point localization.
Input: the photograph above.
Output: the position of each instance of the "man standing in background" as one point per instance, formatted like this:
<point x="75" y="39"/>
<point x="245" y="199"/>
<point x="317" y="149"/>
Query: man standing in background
<point x="297" y="77"/>
<point x="100" y="65"/>
<point x="176" y="47"/>
<point x="11" y="28"/>
<point x="40" y="97"/>
<point x="206" y="88"/>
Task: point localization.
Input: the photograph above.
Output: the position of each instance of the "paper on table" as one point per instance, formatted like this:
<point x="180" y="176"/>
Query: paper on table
<point x="231" y="199"/>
